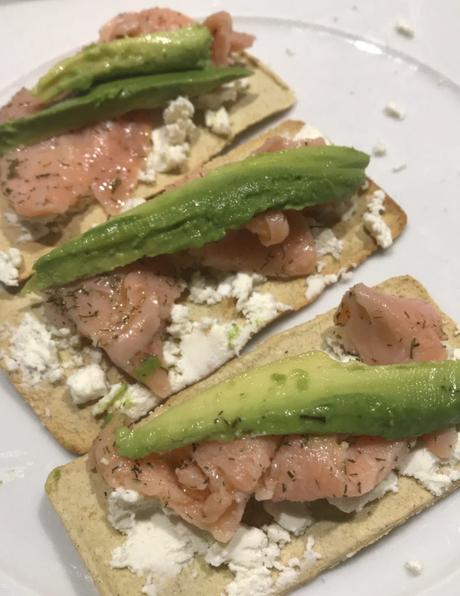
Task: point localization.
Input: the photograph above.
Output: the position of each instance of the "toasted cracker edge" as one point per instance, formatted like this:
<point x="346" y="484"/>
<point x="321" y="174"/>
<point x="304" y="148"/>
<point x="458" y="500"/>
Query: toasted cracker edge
<point x="71" y="488"/>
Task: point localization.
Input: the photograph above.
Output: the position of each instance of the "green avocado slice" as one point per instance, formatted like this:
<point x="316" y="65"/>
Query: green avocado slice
<point x="202" y="210"/>
<point x="113" y="99"/>
<point x="310" y="393"/>
<point x="183" y="49"/>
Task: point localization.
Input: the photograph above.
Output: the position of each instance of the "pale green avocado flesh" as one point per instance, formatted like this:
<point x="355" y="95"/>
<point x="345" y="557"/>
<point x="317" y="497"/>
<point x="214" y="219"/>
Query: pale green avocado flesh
<point x="307" y="394"/>
<point x="187" y="48"/>
<point x="113" y="99"/>
<point x="202" y="210"/>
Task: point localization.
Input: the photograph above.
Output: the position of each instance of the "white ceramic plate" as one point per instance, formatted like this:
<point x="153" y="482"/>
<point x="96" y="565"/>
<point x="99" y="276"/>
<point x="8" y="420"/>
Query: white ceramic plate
<point x="342" y="84"/>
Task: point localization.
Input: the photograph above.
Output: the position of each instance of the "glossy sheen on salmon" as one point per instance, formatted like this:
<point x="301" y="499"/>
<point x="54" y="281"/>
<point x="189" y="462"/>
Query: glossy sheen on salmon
<point x="244" y="250"/>
<point x="125" y="314"/>
<point x="384" y="329"/>
<point x="210" y="484"/>
<point x="57" y="175"/>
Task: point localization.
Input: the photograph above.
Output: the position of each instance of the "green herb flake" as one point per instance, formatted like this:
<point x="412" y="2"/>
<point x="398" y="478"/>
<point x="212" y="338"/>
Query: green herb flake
<point x="147" y="368"/>
<point x="232" y="334"/>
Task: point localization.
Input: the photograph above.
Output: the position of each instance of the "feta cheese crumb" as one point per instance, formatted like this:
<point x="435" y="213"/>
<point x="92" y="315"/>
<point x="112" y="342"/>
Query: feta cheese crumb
<point x="399" y="168"/>
<point x="194" y="349"/>
<point x="374" y="223"/>
<point x="379" y="150"/>
<point x="317" y="283"/>
<point x="250" y="555"/>
<point x="170" y="143"/>
<point x="293" y="517"/>
<point x="133" y="400"/>
<point x="425" y="467"/>
<point x="131" y="203"/>
<point x="289" y="52"/>
<point x="158" y="547"/>
<point x="403" y="28"/>
<point x="356" y="504"/>
<point x="227" y="93"/>
<point x="122" y="506"/>
<point x="218" y="121"/>
<point x="240" y="286"/>
<point x="414" y="567"/>
<point x="10" y="262"/>
<point x="32" y="352"/>
<point x="30" y="229"/>
<point x="326" y="242"/>
<point x="309" y="133"/>
<point x="261" y="308"/>
<point x="87" y="384"/>
<point x="180" y="108"/>
<point x="392" y="110"/>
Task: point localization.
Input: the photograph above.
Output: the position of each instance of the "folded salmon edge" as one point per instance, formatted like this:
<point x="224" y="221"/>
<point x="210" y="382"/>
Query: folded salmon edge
<point x="74" y="427"/>
<point x="272" y="96"/>
<point x="78" y="497"/>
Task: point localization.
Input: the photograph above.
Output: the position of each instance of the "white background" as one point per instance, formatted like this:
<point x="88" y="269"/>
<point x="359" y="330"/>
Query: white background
<point x="342" y="86"/>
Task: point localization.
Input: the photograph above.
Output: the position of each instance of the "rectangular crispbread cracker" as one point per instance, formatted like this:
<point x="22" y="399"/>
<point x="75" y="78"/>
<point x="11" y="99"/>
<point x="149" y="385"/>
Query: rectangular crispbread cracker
<point x="76" y="494"/>
<point x="267" y="95"/>
<point x="75" y="427"/>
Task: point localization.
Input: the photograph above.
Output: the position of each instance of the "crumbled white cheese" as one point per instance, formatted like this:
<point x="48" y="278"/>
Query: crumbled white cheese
<point x="131" y="203"/>
<point x="227" y="93"/>
<point x="403" y="28"/>
<point x="180" y="108"/>
<point x="356" y="504"/>
<point x="261" y="308"/>
<point x="317" y="283"/>
<point x="10" y="262"/>
<point x="425" y="467"/>
<point x="327" y="243"/>
<point x="158" y="547"/>
<point x="309" y="133"/>
<point x="205" y="345"/>
<point x="365" y="185"/>
<point x="133" y="400"/>
<point x="122" y="506"/>
<point x="250" y="555"/>
<point x="374" y="223"/>
<point x="239" y="286"/>
<point x="453" y="353"/>
<point x="293" y="517"/>
<point x="218" y="121"/>
<point x="87" y="384"/>
<point x="379" y="149"/>
<point x="414" y="567"/>
<point x="333" y="346"/>
<point x="194" y="349"/>
<point x="399" y="168"/>
<point x="32" y="352"/>
<point x="30" y="229"/>
<point x="171" y="142"/>
<point x="392" y="110"/>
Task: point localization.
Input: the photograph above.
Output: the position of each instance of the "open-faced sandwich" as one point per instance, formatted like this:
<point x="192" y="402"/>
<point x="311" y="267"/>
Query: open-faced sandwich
<point x="155" y="97"/>
<point x="159" y="297"/>
<point x="231" y="486"/>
